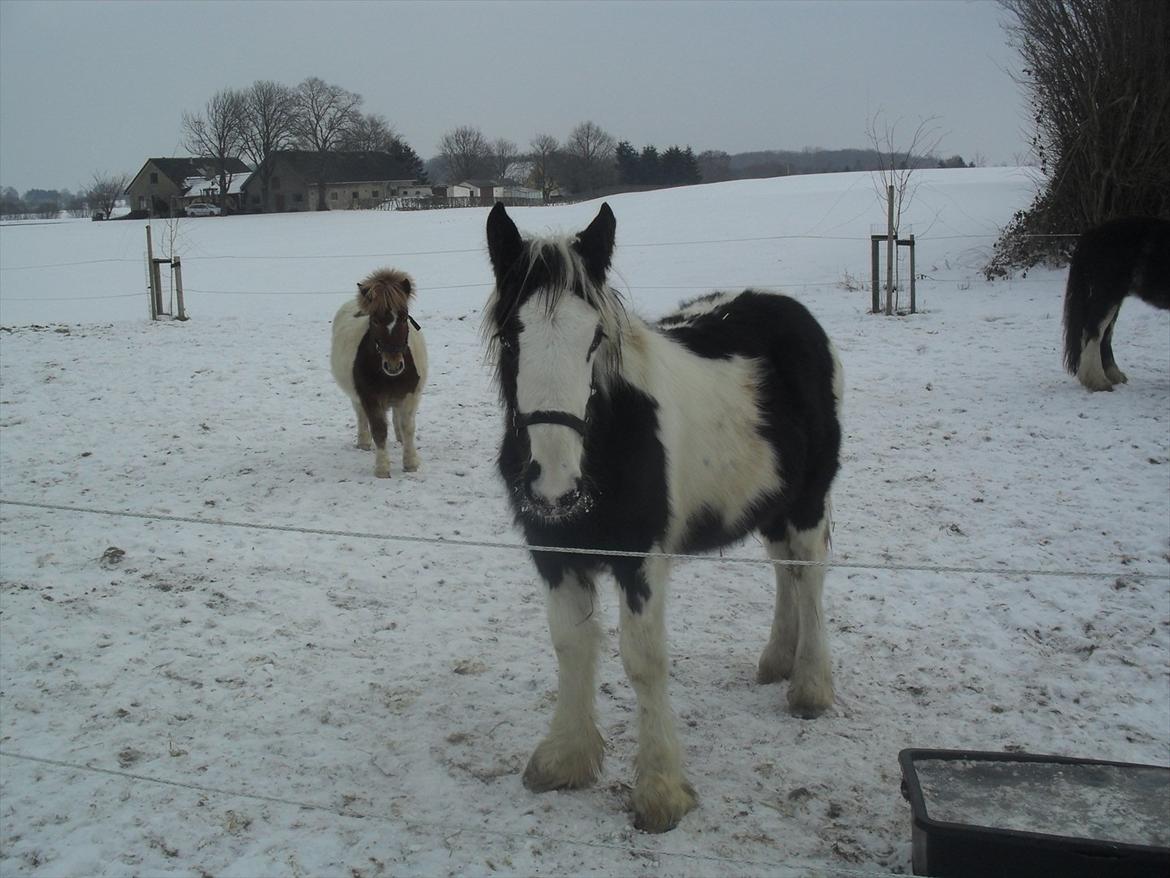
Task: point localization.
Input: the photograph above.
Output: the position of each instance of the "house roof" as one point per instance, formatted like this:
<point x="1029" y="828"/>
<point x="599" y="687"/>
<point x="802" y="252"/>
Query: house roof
<point x="179" y="169"/>
<point x="200" y="185"/>
<point x="344" y="167"/>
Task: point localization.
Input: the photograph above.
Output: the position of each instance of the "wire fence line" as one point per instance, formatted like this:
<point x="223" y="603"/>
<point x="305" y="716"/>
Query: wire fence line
<point x="855" y="286"/>
<point x="497" y="545"/>
<point x="790" y="868"/>
<point x="462" y="250"/>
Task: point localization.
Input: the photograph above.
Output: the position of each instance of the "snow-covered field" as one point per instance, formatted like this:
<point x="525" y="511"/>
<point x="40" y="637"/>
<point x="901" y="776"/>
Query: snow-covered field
<point x="186" y="697"/>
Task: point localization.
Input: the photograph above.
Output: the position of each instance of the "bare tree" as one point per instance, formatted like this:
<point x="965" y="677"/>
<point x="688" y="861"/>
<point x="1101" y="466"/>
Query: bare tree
<point x="217" y="133"/>
<point x="466" y="153"/>
<point x="898" y="158"/>
<point x="324" y="115"/>
<point x="371" y="133"/>
<point x="545" y="156"/>
<point x="1098" y="77"/>
<point x="894" y="182"/>
<point x="105" y="190"/>
<point x="269" y="126"/>
<point x="504" y="153"/>
<point x="590" y="153"/>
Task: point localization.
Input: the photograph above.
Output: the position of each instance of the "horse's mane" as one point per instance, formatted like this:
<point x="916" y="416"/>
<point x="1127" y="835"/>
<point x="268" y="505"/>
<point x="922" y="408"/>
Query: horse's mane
<point x="384" y="294"/>
<point x="548" y="269"/>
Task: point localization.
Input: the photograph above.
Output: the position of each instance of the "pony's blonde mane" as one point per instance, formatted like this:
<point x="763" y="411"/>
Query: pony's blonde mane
<point x="385" y="293"/>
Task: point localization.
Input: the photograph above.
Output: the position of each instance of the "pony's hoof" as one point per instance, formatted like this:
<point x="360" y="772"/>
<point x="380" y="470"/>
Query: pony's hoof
<point x="551" y="768"/>
<point x="660" y="802"/>
<point x="382" y="473"/>
<point x="365" y="446"/>
<point x="810" y="698"/>
<point x="412" y="466"/>
<point x="773" y="669"/>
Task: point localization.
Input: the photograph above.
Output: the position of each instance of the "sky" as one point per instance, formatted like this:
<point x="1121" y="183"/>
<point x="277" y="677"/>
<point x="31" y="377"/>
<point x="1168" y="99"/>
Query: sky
<point x="98" y="87"/>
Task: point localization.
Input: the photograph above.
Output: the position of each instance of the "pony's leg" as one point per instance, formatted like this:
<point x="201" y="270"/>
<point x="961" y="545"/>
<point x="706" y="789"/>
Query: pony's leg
<point x="1111" y="371"/>
<point x="810" y="687"/>
<point x="1091" y="371"/>
<point x="363" y="427"/>
<point x="377" y="419"/>
<point x="662" y="794"/>
<point x="779" y="655"/>
<point x="396" y="419"/>
<point x="404" y="428"/>
<point x="571" y="754"/>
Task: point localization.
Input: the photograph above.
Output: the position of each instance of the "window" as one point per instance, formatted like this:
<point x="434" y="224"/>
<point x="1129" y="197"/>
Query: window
<point x="298" y="197"/>
<point x="355" y="195"/>
<point x="255" y="199"/>
<point x="276" y="182"/>
<point x="153" y="178"/>
<point x="373" y="193"/>
<point x="332" y="196"/>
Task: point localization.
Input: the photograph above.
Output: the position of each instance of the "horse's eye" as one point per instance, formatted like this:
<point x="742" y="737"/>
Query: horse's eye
<point x="597" y="337"/>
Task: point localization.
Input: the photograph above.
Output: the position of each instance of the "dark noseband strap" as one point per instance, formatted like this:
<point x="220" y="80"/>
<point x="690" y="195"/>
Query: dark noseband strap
<point x="564" y="419"/>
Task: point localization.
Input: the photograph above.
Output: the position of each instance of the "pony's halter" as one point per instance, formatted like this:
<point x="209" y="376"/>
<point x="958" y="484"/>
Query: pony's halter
<point x="523" y="420"/>
<point x="399" y="336"/>
<point x="564" y="419"/>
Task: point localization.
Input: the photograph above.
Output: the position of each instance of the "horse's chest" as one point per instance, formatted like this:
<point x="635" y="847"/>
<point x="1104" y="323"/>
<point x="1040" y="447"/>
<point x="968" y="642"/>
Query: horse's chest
<point x="372" y="381"/>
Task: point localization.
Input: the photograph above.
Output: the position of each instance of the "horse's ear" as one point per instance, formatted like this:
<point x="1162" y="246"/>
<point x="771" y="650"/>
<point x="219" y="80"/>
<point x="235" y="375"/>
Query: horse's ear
<point x="504" y="244"/>
<point x="595" y="244"/>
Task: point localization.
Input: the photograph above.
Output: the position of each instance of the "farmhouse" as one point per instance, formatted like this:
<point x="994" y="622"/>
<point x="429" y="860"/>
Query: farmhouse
<point x="165" y="184"/>
<point x="295" y="180"/>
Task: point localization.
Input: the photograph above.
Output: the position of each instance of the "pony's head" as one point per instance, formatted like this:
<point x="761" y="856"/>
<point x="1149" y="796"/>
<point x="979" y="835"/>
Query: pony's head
<point x="385" y="297"/>
<point x="554" y="328"/>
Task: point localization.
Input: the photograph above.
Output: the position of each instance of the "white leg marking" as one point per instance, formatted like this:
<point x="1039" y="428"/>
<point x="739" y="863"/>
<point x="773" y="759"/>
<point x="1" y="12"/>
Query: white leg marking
<point x="780" y="654"/>
<point x="810" y="690"/>
<point x="571" y="754"/>
<point x="662" y="794"/>
<point x="1091" y="371"/>
<point x="404" y="429"/>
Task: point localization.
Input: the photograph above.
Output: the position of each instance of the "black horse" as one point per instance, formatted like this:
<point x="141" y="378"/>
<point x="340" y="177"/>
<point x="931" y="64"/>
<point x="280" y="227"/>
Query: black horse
<point x="1111" y="261"/>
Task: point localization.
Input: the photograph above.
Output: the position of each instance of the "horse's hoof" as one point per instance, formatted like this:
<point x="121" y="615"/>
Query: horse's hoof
<point x="773" y="670"/>
<point x="411" y="467"/>
<point x="660" y="802"/>
<point x="382" y="473"/>
<point x="365" y="446"/>
<point x="808" y="699"/>
<point x="552" y="769"/>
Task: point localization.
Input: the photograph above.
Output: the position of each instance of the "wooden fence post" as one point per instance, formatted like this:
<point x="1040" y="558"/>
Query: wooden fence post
<point x="150" y="274"/>
<point x="177" y="270"/>
<point x="875" y="272"/>
<point x="913" y="298"/>
<point x="890" y="251"/>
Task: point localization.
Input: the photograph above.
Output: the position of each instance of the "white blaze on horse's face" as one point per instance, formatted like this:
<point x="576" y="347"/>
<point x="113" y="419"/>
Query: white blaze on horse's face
<point x="556" y="354"/>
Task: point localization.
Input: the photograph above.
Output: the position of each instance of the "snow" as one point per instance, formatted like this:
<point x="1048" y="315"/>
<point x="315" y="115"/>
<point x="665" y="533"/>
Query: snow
<point x="234" y="701"/>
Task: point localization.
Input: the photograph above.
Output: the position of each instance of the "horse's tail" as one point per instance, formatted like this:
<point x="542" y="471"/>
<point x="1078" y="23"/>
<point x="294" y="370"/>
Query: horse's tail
<point x="1076" y="296"/>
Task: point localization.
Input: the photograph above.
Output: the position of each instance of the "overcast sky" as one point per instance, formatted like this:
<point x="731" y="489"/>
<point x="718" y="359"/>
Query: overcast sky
<point x="101" y="86"/>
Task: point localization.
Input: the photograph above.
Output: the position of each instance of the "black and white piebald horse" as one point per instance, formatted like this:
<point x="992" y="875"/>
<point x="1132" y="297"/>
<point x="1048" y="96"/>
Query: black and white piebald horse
<point x="1111" y="261"/>
<point x="719" y="421"/>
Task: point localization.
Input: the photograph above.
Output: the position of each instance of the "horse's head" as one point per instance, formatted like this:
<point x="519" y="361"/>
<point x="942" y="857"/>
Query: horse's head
<point x="554" y="326"/>
<point x="385" y="294"/>
<point x="390" y="341"/>
<point x="385" y="297"/>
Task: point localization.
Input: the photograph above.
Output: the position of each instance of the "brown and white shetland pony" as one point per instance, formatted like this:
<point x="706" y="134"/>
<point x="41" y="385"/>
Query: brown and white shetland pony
<point x="379" y="358"/>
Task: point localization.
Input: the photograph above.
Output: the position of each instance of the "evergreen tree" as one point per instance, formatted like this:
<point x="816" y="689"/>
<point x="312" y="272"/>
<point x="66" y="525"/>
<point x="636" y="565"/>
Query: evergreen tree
<point x="650" y="170"/>
<point x="627" y="163"/>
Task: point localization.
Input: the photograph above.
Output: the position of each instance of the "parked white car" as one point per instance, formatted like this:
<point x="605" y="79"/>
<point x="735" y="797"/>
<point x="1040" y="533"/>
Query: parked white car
<point x="202" y="208"/>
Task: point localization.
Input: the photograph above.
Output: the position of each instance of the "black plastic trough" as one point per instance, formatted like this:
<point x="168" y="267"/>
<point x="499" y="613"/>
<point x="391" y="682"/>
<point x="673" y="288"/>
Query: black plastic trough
<point x="1018" y="814"/>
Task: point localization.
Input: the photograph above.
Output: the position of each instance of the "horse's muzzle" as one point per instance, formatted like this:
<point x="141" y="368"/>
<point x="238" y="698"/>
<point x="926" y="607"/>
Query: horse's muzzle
<point x="392" y="371"/>
<point x="570" y="505"/>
